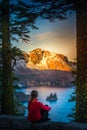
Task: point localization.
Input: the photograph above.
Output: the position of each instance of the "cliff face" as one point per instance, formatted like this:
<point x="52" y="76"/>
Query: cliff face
<point x="44" y="68"/>
<point x="45" y="60"/>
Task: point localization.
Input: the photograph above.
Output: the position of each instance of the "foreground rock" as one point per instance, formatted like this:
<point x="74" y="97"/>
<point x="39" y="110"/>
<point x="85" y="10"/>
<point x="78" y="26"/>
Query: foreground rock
<point x="49" y="125"/>
<point x="14" y="123"/>
<point x="21" y="123"/>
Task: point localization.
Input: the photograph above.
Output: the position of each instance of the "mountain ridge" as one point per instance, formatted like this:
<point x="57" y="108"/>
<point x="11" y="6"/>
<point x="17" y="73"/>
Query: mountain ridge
<point x="46" y="60"/>
<point x="44" y="68"/>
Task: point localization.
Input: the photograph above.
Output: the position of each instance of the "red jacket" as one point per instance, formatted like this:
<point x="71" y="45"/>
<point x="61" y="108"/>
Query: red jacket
<point x="34" y="108"/>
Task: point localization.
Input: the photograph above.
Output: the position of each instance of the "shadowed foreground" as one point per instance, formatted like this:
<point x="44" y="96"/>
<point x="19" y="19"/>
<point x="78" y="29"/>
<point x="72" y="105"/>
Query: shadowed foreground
<point x="21" y="123"/>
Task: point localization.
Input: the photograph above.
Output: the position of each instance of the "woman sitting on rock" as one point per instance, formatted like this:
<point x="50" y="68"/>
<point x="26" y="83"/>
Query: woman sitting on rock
<point x="37" y="112"/>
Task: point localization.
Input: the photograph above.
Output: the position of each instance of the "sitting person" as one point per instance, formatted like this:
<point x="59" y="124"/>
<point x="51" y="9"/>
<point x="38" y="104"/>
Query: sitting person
<point x="37" y="112"/>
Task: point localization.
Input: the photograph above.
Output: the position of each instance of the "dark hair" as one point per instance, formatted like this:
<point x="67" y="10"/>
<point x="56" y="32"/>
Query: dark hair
<point x="34" y="94"/>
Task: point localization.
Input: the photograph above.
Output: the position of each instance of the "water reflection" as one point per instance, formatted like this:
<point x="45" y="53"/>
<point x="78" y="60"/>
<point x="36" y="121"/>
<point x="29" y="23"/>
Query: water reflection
<point x="60" y="108"/>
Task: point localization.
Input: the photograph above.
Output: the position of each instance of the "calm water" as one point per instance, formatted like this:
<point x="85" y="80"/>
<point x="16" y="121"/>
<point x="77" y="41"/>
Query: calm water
<point x="60" y="108"/>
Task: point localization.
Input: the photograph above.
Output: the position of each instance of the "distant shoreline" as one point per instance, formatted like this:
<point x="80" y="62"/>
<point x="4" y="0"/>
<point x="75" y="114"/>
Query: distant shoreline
<point x="47" y="87"/>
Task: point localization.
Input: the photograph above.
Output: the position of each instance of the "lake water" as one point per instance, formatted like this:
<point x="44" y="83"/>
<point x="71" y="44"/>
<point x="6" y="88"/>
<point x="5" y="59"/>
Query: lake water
<point x="60" y="108"/>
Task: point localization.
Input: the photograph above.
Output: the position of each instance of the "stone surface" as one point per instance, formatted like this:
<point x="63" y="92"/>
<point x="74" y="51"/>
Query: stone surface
<point x="14" y="122"/>
<point x="21" y="123"/>
<point x="42" y="126"/>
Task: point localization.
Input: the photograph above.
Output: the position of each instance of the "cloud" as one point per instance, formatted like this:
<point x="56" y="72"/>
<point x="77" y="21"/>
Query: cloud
<point x="59" y="37"/>
<point x="46" y="36"/>
<point x="64" y="34"/>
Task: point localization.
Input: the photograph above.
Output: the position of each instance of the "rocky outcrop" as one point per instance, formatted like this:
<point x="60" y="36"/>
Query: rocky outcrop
<point x="21" y="123"/>
<point x="22" y="97"/>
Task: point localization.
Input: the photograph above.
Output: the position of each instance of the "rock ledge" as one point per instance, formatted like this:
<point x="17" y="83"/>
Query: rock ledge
<point x="21" y="123"/>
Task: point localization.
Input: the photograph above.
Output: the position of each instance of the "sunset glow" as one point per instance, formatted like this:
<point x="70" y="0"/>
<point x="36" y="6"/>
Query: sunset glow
<point x="59" y="37"/>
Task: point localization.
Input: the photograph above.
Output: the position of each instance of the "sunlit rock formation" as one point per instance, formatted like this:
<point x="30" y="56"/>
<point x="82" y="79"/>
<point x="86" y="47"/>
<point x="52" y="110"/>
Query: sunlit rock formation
<point x="44" y="68"/>
<point x="46" y="60"/>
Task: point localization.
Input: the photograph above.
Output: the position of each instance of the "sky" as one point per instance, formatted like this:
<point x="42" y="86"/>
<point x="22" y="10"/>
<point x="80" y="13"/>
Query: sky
<point x="58" y="36"/>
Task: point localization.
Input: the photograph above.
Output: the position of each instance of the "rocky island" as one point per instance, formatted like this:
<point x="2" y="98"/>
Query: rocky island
<point x="52" y="97"/>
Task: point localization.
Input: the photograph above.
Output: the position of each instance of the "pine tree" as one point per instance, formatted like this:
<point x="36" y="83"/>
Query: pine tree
<point x="7" y="97"/>
<point x="81" y="86"/>
<point x="16" y="20"/>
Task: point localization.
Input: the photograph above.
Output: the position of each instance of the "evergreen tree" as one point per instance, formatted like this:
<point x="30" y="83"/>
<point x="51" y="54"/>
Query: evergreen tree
<point x="7" y="96"/>
<point x="81" y="86"/>
<point x="16" y="20"/>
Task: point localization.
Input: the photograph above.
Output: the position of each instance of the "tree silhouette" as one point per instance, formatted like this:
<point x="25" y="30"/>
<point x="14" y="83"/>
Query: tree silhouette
<point x="16" y="20"/>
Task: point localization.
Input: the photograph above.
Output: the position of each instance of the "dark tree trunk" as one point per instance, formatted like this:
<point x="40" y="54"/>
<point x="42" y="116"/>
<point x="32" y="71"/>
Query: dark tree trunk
<point x="7" y="98"/>
<point x="81" y="90"/>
